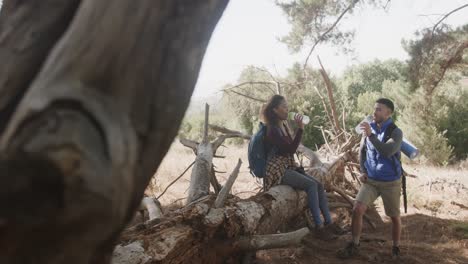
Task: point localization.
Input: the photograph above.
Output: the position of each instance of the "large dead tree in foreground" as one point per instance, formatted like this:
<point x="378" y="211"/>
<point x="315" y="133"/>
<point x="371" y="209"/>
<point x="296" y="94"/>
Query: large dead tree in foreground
<point x="92" y="94"/>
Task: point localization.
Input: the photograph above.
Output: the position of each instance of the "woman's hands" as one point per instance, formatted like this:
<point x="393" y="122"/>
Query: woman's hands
<point x="298" y="119"/>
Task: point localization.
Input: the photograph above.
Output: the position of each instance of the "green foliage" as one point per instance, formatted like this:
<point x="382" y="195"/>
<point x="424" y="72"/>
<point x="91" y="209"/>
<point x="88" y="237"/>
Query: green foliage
<point x="310" y="19"/>
<point x="433" y="119"/>
<point x="433" y="53"/>
<point x="422" y="131"/>
<point x="370" y="77"/>
<point x="258" y="85"/>
<point x="361" y="85"/>
<point x="301" y="96"/>
<point x="452" y="117"/>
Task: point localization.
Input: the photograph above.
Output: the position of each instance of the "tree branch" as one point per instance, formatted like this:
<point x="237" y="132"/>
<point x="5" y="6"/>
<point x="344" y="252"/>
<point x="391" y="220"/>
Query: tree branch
<point x="447" y="15"/>
<point x="205" y="130"/>
<point x="351" y="202"/>
<point x="214" y="181"/>
<point x="220" y="140"/>
<point x="323" y="35"/>
<point x="266" y="83"/>
<point x="325" y="107"/>
<point x="247" y="96"/>
<point x="175" y="180"/>
<point x="259" y="242"/>
<point x="189" y="143"/>
<point x="331" y="100"/>
<point x="222" y="196"/>
<point x="225" y="130"/>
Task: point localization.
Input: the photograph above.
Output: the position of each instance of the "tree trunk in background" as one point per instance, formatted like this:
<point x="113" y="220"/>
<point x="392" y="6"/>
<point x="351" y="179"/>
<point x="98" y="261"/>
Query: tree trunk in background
<point x="92" y="95"/>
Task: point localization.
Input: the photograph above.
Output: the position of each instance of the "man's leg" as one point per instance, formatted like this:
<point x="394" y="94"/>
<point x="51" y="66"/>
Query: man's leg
<point x="396" y="230"/>
<point x="368" y="193"/>
<point x="366" y="196"/>
<point x="390" y="192"/>
<point x="356" y="223"/>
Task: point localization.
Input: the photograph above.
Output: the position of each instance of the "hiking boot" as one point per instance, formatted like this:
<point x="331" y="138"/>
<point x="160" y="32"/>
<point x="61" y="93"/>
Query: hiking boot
<point x="349" y="251"/>
<point x="324" y="234"/>
<point x="396" y="254"/>
<point x="335" y="229"/>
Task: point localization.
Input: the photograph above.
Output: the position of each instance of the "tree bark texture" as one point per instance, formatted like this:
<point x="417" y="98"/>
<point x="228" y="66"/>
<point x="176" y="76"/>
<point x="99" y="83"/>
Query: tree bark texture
<point x="92" y="95"/>
<point x="200" y="233"/>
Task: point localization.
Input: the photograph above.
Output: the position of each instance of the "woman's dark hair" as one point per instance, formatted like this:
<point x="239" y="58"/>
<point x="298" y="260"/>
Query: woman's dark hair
<point x="269" y="116"/>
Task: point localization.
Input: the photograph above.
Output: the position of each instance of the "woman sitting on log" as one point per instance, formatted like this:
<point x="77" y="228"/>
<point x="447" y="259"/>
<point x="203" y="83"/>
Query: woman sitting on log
<point x="282" y="169"/>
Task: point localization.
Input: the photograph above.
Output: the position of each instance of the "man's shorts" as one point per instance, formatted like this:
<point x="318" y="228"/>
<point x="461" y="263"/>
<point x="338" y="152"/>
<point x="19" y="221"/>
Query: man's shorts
<point x="390" y="192"/>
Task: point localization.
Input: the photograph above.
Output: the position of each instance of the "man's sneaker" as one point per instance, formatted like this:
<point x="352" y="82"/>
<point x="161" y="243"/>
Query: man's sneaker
<point x="396" y="254"/>
<point x="349" y="251"/>
<point x="335" y="229"/>
<point x="324" y="234"/>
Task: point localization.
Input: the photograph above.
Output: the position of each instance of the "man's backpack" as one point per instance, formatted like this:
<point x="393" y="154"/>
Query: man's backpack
<point x="387" y="136"/>
<point x="257" y="152"/>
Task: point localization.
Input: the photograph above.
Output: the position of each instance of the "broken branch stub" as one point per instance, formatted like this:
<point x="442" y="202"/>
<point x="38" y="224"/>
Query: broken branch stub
<point x="258" y="242"/>
<point x="223" y="194"/>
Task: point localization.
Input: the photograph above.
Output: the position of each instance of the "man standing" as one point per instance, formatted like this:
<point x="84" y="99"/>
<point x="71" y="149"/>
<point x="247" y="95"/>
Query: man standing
<point x="380" y="174"/>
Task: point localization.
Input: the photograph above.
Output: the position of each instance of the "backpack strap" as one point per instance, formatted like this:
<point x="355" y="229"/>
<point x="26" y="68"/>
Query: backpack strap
<point x="387" y="136"/>
<point x="389" y="131"/>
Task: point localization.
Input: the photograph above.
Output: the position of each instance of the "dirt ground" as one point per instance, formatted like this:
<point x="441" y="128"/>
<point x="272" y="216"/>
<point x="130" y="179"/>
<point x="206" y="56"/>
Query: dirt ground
<point x="425" y="239"/>
<point x="435" y="229"/>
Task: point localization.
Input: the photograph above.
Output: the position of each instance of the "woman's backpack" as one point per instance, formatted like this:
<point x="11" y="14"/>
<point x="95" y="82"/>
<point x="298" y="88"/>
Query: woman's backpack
<point x="257" y="152"/>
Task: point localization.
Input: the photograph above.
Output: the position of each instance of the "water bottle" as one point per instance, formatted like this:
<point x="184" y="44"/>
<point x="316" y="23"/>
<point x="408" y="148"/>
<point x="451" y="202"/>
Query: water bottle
<point x="409" y="149"/>
<point x="305" y="119"/>
<point x="367" y="119"/>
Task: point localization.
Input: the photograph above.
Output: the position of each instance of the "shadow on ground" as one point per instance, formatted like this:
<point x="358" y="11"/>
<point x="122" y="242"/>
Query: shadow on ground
<point x="425" y="239"/>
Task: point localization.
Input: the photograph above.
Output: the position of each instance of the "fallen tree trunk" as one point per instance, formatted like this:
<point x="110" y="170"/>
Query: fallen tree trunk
<point x="201" y="233"/>
<point x="204" y="232"/>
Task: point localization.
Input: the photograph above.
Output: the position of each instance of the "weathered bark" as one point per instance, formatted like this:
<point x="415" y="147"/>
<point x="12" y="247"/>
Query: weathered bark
<point x="223" y="194"/>
<point x="201" y="173"/>
<point x="204" y="173"/>
<point x="331" y="100"/>
<point x="189" y="144"/>
<point x="153" y="207"/>
<point x="28" y="31"/>
<point x="230" y="132"/>
<point x="214" y="181"/>
<point x="200" y="233"/>
<point x="133" y="253"/>
<point x="200" y="178"/>
<point x="110" y="94"/>
<point x="272" y="241"/>
<point x="207" y="234"/>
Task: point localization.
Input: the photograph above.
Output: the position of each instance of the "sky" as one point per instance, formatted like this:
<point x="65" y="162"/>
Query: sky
<point x="248" y="33"/>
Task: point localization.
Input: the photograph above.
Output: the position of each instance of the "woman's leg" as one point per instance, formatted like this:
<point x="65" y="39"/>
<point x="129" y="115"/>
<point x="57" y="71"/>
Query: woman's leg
<point x="306" y="183"/>
<point x="323" y="202"/>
